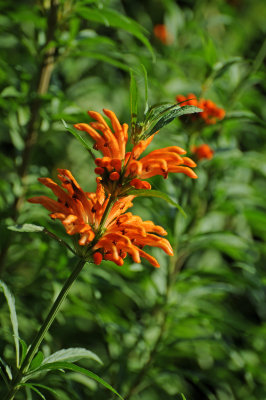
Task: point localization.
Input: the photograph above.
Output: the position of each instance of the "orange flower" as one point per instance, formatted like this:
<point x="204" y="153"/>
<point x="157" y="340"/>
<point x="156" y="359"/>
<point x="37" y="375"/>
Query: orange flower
<point x="127" y="168"/>
<point x="128" y="234"/>
<point x="160" y="31"/>
<point x="202" y="151"/>
<point x="211" y="113"/>
<point x="81" y="213"/>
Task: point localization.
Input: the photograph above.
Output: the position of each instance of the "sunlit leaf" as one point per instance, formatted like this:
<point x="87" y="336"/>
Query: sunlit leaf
<point x="26" y="228"/>
<point x="71" y="355"/>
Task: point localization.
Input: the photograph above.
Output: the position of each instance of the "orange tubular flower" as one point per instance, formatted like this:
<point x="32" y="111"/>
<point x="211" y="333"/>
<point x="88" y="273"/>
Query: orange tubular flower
<point x="211" y="113"/>
<point x="116" y="163"/>
<point x="202" y="151"/>
<point x="160" y="31"/>
<point x="119" y="234"/>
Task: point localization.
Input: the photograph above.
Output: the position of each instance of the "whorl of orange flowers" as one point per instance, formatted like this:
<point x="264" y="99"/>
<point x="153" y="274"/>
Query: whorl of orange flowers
<point x="211" y="113"/>
<point x="160" y="31"/>
<point x="202" y="151"/>
<point x="127" y="167"/>
<point x="119" y="234"/>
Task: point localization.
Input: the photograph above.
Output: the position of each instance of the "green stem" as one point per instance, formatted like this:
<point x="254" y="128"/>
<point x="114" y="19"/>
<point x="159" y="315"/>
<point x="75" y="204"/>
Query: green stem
<point x="43" y="330"/>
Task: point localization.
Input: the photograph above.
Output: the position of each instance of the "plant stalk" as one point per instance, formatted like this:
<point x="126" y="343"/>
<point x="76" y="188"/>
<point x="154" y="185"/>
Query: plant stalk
<point x="15" y="384"/>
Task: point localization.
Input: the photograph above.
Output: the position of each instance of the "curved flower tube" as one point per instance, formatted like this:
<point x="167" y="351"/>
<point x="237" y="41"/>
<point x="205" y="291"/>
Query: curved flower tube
<point x="116" y="235"/>
<point x="116" y="163"/>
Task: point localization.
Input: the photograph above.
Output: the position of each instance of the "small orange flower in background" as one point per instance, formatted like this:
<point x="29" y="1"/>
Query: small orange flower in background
<point x="81" y="213"/>
<point x="160" y="32"/>
<point x="126" y="167"/>
<point x="211" y="113"/>
<point x="202" y="151"/>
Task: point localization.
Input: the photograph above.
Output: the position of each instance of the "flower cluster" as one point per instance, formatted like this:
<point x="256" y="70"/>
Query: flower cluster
<point x="104" y="228"/>
<point x="211" y="113"/>
<point x="127" y="168"/>
<point x="202" y="151"/>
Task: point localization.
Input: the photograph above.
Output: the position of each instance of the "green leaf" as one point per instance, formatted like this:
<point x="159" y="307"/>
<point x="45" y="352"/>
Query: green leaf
<point x="13" y="316"/>
<point x="103" y="57"/>
<point x="71" y="355"/>
<point x="10" y="91"/>
<point x="77" y="136"/>
<point x="76" y="368"/>
<point x="133" y="100"/>
<point x="182" y="396"/>
<point x="156" y="193"/>
<point x="37" y="361"/>
<point x="7" y="369"/>
<point x="146" y="88"/>
<point x="24" y="349"/>
<point x="26" y="228"/>
<point x="155" y="110"/>
<point x="33" y="386"/>
<point x="170" y="114"/>
<point x="221" y="67"/>
<point x="114" y="19"/>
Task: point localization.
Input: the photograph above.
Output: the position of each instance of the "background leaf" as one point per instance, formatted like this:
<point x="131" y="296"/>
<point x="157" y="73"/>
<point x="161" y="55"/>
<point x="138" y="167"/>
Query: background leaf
<point x="13" y="316"/>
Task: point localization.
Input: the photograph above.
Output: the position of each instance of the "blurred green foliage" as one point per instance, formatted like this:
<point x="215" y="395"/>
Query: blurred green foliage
<point x="197" y="325"/>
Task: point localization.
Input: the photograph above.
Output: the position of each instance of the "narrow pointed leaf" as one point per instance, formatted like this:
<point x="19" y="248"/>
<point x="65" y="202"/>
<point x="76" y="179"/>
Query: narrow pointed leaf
<point x="156" y="193"/>
<point x="77" y="136"/>
<point x="76" y="368"/>
<point x="24" y="349"/>
<point x="7" y="368"/>
<point x="168" y="115"/>
<point x="71" y="355"/>
<point x="26" y="228"/>
<point x="221" y="67"/>
<point x="114" y="19"/>
<point x="37" y="361"/>
<point x="133" y="99"/>
<point x="13" y="316"/>
<point x="146" y="88"/>
<point x="40" y="386"/>
<point x="103" y="57"/>
<point x="32" y="387"/>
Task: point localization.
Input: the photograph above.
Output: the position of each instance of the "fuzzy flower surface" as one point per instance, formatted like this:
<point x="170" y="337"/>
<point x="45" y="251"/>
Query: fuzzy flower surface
<point x="129" y="168"/>
<point x="211" y="112"/>
<point x="111" y="237"/>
